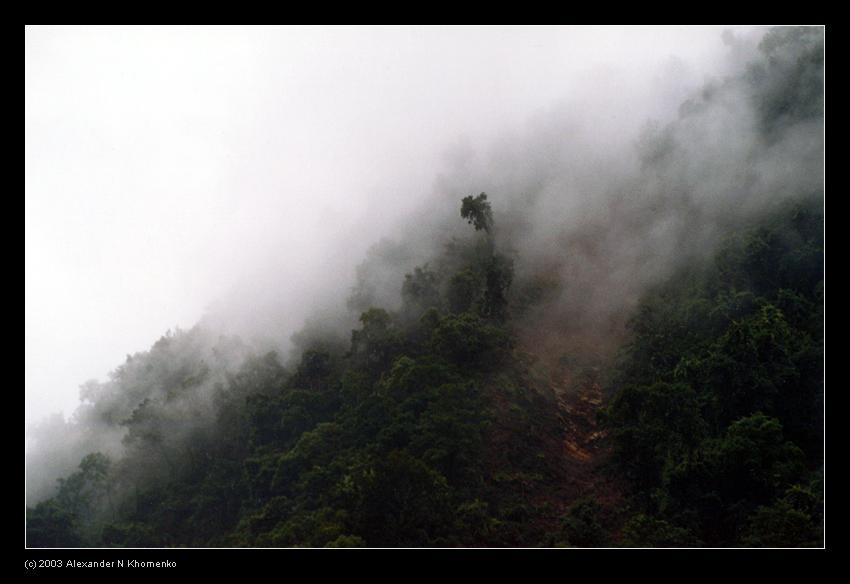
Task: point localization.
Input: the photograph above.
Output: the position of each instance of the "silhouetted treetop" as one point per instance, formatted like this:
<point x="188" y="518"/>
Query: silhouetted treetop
<point x="477" y="212"/>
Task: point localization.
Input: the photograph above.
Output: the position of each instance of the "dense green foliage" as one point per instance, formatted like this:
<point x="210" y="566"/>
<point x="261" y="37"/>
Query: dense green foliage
<point x="428" y="432"/>
<point x="718" y="420"/>
<point x="434" y="425"/>
<point x="389" y="443"/>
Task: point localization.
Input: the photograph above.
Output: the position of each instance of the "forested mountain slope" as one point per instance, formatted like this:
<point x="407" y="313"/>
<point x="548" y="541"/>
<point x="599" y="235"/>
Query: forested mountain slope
<point x="648" y="375"/>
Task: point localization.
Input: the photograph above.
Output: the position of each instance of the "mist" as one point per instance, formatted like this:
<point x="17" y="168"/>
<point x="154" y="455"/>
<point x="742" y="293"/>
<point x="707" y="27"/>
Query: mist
<point x="257" y="180"/>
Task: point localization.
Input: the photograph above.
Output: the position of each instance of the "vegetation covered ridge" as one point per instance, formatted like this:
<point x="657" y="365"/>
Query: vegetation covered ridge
<point x="646" y="373"/>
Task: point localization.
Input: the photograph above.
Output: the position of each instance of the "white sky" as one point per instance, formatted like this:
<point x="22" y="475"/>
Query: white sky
<point x="166" y="165"/>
